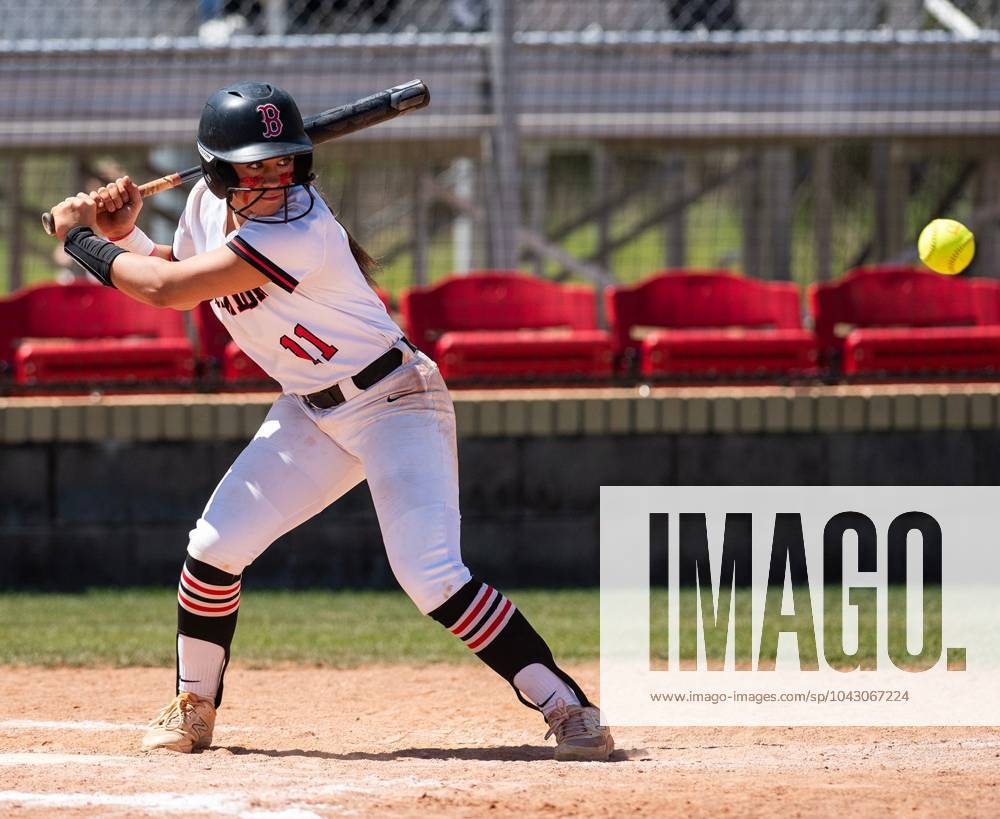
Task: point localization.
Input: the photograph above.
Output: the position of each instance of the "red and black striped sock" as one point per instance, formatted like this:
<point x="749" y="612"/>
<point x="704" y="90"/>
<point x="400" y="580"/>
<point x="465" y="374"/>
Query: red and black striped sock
<point x="208" y="602"/>
<point x="495" y="631"/>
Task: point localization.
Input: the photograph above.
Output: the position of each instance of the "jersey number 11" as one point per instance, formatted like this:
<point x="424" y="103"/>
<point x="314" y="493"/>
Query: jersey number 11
<point x="327" y="351"/>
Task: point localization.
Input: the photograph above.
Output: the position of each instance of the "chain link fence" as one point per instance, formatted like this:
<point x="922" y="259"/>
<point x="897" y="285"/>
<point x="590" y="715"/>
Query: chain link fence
<point x="215" y="20"/>
<point x="581" y="140"/>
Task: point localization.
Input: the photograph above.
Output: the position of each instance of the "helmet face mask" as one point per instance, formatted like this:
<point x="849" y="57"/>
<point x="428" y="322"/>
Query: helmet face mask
<point x="250" y="122"/>
<point x="300" y="176"/>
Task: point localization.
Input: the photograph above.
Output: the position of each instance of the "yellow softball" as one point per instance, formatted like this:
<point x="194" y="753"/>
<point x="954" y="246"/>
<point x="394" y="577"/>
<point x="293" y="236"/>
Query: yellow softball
<point x="946" y="246"/>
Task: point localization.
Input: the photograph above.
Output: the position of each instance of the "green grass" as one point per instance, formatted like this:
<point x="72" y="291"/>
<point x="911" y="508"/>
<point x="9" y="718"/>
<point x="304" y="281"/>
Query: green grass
<point x="135" y="627"/>
<point x="867" y="649"/>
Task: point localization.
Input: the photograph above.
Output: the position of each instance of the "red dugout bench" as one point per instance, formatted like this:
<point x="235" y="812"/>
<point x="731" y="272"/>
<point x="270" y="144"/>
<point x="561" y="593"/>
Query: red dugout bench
<point x="508" y="326"/>
<point x="711" y="323"/>
<point x="86" y="333"/>
<point x="906" y="320"/>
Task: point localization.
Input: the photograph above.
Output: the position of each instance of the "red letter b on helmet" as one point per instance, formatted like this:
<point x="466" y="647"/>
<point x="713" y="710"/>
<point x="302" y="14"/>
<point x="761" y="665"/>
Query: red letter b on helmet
<point x="272" y="120"/>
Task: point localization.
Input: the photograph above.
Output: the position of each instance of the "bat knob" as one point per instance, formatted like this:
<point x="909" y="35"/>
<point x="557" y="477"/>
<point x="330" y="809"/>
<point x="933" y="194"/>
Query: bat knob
<point x="49" y="223"/>
<point x="413" y="94"/>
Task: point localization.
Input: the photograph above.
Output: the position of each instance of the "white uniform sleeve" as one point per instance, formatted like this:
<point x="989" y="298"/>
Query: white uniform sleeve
<point x="183" y="246"/>
<point x="285" y="252"/>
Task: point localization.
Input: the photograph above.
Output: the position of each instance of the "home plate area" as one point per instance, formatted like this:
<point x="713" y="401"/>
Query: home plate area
<point x="444" y="740"/>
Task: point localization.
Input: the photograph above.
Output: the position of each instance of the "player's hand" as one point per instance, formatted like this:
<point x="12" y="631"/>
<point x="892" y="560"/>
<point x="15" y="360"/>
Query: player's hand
<point x="75" y="211"/>
<point x="121" y="203"/>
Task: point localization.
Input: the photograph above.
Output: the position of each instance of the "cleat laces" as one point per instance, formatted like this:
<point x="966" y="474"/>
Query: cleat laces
<point x="178" y="714"/>
<point x="567" y="722"/>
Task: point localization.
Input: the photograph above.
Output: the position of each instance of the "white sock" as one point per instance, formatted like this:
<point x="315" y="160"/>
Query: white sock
<point x="544" y="687"/>
<point x="200" y="664"/>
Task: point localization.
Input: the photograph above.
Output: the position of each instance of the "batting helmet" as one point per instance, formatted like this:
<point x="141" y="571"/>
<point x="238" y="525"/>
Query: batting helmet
<point x="249" y="122"/>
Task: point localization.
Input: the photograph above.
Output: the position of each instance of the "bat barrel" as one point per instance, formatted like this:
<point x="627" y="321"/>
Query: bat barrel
<point x="368" y="111"/>
<point x="413" y="94"/>
<point x="336" y="122"/>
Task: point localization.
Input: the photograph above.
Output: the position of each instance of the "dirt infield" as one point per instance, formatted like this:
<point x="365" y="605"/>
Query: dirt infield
<point x="446" y="741"/>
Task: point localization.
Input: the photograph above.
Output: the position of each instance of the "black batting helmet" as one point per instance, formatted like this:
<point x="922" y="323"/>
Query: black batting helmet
<point x="249" y="122"/>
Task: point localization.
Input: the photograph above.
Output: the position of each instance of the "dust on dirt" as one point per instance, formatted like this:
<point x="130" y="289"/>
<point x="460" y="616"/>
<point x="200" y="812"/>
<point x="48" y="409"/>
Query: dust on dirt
<point x="444" y="740"/>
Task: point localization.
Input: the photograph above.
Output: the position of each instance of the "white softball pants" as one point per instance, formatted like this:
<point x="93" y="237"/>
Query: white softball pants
<point x="302" y="459"/>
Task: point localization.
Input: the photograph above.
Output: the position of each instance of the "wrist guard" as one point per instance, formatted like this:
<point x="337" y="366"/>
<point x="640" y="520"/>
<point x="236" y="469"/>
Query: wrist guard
<point x="93" y="254"/>
<point x="135" y="241"/>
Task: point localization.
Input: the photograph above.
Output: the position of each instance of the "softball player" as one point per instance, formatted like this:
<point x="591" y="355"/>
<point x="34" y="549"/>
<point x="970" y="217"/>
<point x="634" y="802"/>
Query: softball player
<point x="358" y="401"/>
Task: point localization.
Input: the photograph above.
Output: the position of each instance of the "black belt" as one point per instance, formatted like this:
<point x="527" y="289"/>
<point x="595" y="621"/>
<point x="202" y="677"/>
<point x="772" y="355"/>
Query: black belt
<point x="370" y="375"/>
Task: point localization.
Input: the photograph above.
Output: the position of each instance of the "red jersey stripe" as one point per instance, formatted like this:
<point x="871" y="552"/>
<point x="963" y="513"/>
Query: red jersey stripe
<point x="263" y="264"/>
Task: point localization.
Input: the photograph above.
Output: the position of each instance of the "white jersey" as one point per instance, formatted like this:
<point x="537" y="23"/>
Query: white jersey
<point x="316" y="321"/>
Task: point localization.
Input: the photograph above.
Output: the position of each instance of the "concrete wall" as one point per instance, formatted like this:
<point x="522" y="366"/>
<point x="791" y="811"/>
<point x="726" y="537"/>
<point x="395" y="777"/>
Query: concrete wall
<point x="116" y="510"/>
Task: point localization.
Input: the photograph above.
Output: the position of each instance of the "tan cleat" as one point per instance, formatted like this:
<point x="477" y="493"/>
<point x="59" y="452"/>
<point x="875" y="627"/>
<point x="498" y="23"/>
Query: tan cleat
<point x="579" y="734"/>
<point x="184" y="726"/>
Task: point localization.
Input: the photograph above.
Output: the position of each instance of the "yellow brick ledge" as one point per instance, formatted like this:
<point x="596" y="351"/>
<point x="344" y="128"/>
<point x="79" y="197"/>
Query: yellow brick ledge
<point x="552" y="412"/>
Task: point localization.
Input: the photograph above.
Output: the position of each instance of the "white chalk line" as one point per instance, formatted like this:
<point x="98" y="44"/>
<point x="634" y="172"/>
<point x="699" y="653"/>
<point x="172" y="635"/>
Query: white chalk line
<point x="44" y="758"/>
<point x="67" y="725"/>
<point x="89" y="725"/>
<point x="157" y="802"/>
<point x="216" y="803"/>
<point x="980" y="743"/>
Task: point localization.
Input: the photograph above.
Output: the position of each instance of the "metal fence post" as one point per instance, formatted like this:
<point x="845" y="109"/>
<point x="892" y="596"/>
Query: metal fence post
<point x="505" y="212"/>
<point x="823" y="209"/>
<point x="537" y="185"/>
<point x="15" y="233"/>
<point x="777" y="190"/>
<point x="676" y="172"/>
<point x="751" y="203"/>
<point x="987" y="227"/>
<point x="601" y="163"/>
<point x="421" y="227"/>
<point x="276" y="16"/>
<point x="463" y="237"/>
<point x="889" y="179"/>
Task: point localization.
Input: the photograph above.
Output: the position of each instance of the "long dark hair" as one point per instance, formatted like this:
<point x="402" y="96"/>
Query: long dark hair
<point x="369" y="264"/>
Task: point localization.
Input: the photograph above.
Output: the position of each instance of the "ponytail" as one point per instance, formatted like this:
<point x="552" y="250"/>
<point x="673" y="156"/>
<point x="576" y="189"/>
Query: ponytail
<point x="369" y="266"/>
